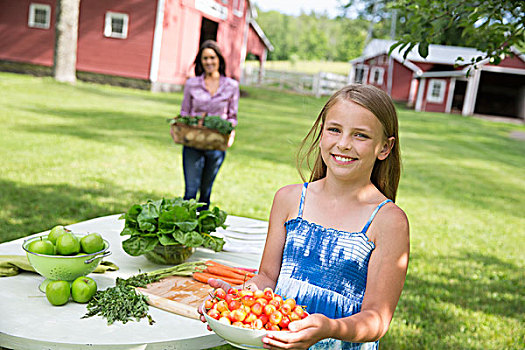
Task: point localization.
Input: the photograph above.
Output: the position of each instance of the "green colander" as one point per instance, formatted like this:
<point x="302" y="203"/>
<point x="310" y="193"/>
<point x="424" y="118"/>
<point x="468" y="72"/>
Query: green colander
<point x="61" y="267"/>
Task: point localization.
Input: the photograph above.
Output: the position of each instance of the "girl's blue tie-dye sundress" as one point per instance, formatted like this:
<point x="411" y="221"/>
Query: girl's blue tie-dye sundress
<point x="325" y="270"/>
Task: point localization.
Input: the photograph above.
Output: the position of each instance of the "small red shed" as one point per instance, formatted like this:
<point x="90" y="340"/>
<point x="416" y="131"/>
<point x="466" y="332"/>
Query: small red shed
<point x="435" y="84"/>
<point x="151" y="40"/>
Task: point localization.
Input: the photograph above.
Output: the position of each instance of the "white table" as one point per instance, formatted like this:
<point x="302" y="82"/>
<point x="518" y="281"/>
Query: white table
<point x="28" y="321"/>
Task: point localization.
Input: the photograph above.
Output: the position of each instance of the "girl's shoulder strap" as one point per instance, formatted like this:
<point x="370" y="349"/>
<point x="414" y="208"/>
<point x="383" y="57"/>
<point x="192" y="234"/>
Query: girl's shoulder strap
<point x="374" y="214"/>
<point x="301" y="203"/>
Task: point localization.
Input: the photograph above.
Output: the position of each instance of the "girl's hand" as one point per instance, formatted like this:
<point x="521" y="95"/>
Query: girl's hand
<point x="303" y="333"/>
<point x="215" y="283"/>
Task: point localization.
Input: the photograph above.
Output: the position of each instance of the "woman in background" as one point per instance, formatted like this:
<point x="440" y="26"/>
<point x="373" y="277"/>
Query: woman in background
<point x="209" y="93"/>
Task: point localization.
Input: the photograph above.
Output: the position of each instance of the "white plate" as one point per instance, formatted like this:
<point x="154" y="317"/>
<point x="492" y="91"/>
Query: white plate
<point x="243" y="236"/>
<point x="242" y="249"/>
<point x="243" y="243"/>
<point x="249" y="230"/>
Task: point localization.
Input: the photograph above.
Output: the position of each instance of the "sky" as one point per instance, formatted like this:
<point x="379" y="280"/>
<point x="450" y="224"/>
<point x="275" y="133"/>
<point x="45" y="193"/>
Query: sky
<point x="293" y="7"/>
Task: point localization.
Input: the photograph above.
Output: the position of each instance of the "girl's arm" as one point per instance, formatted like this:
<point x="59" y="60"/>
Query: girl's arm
<point x="283" y="204"/>
<point x="273" y="249"/>
<point x="386" y="276"/>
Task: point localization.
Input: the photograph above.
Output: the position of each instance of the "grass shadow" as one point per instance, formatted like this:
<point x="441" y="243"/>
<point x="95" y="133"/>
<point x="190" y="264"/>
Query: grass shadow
<point x="102" y="126"/>
<point x="44" y="206"/>
<point x="437" y="304"/>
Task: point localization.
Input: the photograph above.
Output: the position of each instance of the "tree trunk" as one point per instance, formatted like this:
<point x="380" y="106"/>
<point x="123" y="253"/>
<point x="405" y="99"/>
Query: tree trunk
<point x="66" y="37"/>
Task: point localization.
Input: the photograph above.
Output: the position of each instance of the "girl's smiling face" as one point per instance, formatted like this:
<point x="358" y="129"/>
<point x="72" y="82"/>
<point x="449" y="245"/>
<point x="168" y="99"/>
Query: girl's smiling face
<point x="352" y="139"/>
<point x="210" y="61"/>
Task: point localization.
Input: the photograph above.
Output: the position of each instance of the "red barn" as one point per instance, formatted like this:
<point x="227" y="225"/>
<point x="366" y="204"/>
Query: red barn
<point x="435" y="84"/>
<point x="151" y="40"/>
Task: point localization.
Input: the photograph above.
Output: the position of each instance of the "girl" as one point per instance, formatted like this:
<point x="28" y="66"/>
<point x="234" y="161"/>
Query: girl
<point x="338" y="244"/>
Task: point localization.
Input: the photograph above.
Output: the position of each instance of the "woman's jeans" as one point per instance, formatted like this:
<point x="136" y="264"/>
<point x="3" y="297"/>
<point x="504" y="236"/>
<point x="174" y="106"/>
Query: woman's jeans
<point x="200" y="170"/>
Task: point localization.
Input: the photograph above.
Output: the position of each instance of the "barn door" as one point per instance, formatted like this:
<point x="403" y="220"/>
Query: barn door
<point x="208" y="30"/>
<point x="459" y="96"/>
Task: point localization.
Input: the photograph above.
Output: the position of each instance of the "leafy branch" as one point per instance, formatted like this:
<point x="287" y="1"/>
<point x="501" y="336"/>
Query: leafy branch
<point x="491" y="26"/>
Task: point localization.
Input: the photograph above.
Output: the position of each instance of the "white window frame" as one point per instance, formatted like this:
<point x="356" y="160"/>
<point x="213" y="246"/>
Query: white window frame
<point x="238" y="7"/>
<point x="380" y="76"/>
<point x="364" y="68"/>
<point x="31" y="20"/>
<point x="108" y="26"/>
<point x="441" y="84"/>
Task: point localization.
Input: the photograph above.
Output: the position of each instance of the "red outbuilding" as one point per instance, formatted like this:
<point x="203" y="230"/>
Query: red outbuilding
<point x="150" y="40"/>
<point x="435" y="84"/>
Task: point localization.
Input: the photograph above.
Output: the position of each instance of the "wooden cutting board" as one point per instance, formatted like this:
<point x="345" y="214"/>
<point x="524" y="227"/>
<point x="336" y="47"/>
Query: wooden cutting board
<point x="180" y="295"/>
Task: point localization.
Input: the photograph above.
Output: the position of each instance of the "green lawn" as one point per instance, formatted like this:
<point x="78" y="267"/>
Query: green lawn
<point x="71" y="153"/>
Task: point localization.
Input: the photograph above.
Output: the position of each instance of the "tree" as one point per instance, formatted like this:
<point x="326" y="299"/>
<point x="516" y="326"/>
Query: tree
<point x="279" y="28"/>
<point x="491" y="26"/>
<point x="312" y="36"/>
<point x="66" y="37"/>
<point x="376" y="13"/>
<point x="351" y="37"/>
<point x="313" y="42"/>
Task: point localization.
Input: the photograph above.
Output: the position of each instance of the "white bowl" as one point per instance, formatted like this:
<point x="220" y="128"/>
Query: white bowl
<point x="243" y="338"/>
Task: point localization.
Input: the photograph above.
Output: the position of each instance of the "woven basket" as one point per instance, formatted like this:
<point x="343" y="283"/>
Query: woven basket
<point x="200" y="137"/>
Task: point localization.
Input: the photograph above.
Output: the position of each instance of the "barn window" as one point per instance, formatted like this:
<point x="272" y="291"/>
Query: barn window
<point x="238" y="7"/>
<point x="360" y="74"/>
<point x="39" y="16"/>
<point x="116" y="25"/>
<point x="376" y="75"/>
<point x="436" y="90"/>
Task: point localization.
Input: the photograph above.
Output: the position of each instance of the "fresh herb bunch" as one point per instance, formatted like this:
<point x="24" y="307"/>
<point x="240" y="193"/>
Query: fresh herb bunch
<point x="211" y="122"/>
<point x="171" y="222"/>
<point x="123" y="303"/>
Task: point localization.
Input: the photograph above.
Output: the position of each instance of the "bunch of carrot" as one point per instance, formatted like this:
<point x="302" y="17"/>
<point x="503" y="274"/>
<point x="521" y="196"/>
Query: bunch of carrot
<point x="231" y="275"/>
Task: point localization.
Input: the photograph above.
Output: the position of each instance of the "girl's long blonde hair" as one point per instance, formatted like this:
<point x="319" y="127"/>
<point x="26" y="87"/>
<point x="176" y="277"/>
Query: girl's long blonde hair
<point x="386" y="173"/>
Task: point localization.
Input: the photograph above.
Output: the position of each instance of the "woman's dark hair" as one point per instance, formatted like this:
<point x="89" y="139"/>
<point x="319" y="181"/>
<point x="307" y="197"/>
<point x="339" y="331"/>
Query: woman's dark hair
<point x="209" y="44"/>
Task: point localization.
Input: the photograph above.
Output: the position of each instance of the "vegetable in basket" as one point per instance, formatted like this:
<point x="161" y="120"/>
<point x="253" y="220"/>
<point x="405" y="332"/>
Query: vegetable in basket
<point x="211" y="122"/>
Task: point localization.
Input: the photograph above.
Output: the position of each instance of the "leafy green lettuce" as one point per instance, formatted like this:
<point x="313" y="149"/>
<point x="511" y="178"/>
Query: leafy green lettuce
<point x="169" y="222"/>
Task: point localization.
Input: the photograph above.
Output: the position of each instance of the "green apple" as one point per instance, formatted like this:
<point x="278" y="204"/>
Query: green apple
<point x="56" y="232"/>
<point x="82" y="289"/>
<point x="92" y="243"/>
<point x="67" y="244"/>
<point x="41" y="246"/>
<point x="58" y="292"/>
